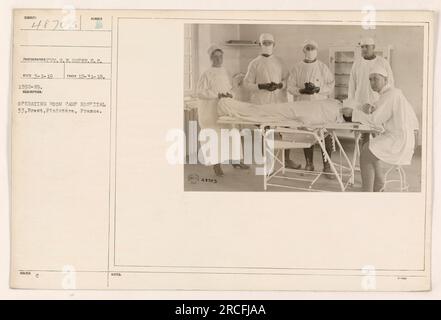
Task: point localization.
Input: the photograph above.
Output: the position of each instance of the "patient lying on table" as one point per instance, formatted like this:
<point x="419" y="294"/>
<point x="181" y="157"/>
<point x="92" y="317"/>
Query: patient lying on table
<point x="305" y="112"/>
<point x="298" y="113"/>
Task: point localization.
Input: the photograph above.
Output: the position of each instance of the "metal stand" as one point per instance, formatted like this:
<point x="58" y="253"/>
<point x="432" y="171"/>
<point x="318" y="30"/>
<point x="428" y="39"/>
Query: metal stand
<point x="318" y="136"/>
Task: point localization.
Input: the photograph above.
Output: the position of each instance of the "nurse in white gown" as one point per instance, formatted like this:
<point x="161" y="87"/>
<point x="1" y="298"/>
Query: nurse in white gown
<point x="214" y="84"/>
<point x="395" y="145"/>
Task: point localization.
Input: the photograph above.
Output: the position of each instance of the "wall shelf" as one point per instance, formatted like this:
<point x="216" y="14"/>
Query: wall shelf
<point x="341" y="60"/>
<point x="241" y="44"/>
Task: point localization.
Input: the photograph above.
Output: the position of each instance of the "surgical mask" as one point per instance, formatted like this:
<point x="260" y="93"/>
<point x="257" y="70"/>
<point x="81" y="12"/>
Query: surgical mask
<point x="311" y="55"/>
<point x="267" y="50"/>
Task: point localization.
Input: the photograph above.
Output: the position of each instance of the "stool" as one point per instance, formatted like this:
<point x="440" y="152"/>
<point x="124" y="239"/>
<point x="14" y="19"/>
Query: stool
<point x="404" y="186"/>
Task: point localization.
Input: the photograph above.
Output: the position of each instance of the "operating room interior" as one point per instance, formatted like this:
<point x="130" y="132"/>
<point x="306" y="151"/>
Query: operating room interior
<point x="403" y="45"/>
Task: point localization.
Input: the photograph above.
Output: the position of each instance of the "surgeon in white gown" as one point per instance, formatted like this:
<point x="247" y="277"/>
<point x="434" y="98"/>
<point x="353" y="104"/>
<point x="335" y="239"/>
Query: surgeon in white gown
<point x="266" y="80"/>
<point x="214" y="84"/>
<point x="395" y="145"/>
<point x="311" y="79"/>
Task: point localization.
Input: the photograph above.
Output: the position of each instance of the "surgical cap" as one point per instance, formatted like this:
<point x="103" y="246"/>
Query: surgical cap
<point x="266" y="37"/>
<point x="367" y="41"/>
<point x="379" y="70"/>
<point x="213" y="48"/>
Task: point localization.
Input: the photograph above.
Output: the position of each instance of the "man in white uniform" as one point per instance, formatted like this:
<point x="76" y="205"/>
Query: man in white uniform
<point x="311" y="79"/>
<point x="266" y="80"/>
<point x="359" y="85"/>
<point x="395" y="145"/>
<point x="213" y="85"/>
<point x="266" y="75"/>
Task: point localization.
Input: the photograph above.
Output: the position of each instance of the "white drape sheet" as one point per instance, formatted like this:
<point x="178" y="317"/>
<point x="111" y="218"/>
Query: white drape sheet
<point x="307" y="112"/>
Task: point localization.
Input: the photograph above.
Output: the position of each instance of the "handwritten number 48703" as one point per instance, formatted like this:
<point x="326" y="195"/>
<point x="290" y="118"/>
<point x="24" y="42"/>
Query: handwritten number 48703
<point x="53" y="24"/>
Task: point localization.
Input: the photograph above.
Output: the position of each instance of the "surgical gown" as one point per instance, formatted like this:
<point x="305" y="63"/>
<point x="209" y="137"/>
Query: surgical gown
<point x="213" y="81"/>
<point x="395" y="145"/>
<point x="265" y="70"/>
<point x="359" y="87"/>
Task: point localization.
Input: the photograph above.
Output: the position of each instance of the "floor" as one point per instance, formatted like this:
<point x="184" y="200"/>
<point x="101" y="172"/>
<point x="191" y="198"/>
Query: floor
<point x="202" y="178"/>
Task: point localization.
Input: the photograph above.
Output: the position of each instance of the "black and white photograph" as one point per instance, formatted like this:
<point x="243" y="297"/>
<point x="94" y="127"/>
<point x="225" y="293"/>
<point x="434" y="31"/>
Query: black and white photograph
<point x="294" y="107"/>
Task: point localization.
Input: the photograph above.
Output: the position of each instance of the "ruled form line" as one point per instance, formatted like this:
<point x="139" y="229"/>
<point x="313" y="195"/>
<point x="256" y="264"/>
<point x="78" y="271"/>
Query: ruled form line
<point x="66" y="30"/>
<point x="61" y="46"/>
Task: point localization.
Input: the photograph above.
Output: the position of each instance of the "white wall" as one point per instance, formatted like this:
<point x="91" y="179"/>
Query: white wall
<point x="406" y="56"/>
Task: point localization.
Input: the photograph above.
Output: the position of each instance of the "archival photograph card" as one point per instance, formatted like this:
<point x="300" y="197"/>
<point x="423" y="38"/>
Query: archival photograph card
<point x="221" y="150"/>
